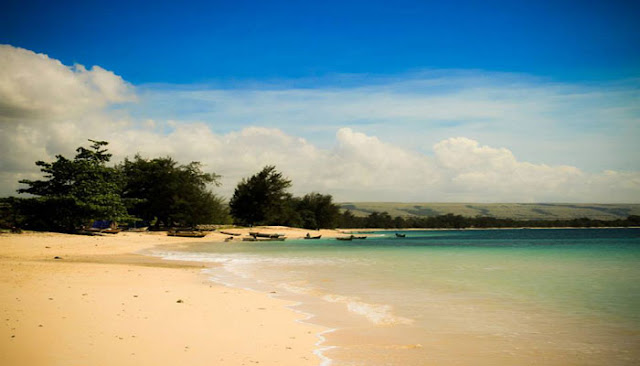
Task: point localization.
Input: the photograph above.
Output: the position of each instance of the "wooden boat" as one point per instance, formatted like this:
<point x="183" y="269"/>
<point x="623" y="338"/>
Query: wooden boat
<point x="351" y="237"/>
<point x="104" y="226"/>
<point x="253" y="238"/>
<point x="188" y="234"/>
<point x="313" y="237"/>
<point x="230" y="233"/>
<point x="138" y="229"/>
<point x="265" y="235"/>
<point x="398" y="235"/>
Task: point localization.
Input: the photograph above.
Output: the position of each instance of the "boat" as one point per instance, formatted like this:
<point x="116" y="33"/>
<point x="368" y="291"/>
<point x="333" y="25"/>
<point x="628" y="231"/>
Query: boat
<point x="138" y="229"/>
<point x="313" y="237"/>
<point x="265" y="235"/>
<point x="230" y="233"/>
<point x="187" y="234"/>
<point x="104" y="226"/>
<point x="398" y="235"/>
<point x="344" y="237"/>
<point x="253" y="238"/>
<point x="351" y="237"/>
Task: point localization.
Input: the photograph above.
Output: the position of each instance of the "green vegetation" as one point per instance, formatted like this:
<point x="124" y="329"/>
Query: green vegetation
<point x="74" y="191"/>
<point x="450" y="221"/>
<point x="263" y="199"/>
<point x="169" y="193"/>
<point x="317" y="211"/>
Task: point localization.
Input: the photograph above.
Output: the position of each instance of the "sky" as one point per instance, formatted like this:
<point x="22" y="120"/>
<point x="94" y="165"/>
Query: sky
<point x="457" y="101"/>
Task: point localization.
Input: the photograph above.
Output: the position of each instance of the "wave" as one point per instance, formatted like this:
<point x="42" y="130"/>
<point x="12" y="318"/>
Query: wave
<point x="255" y="259"/>
<point x="241" y="265"/>
<point x="379" y="314"/>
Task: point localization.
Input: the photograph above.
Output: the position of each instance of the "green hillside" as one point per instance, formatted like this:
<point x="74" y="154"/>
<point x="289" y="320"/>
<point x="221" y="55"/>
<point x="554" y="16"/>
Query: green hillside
<point x="518" y="211"/>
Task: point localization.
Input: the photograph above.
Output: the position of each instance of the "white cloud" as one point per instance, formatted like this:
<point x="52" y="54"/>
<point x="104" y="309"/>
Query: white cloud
<point x="34" y="86"/>
<point x="47" y="108"/>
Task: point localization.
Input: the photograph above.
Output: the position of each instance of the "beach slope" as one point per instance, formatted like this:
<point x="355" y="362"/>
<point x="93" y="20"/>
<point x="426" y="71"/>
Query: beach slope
<point x="99" y="303"/>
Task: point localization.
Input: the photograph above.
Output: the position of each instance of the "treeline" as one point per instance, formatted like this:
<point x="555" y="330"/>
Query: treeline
<point x="157" y="192"/>
<point x="162" y="193"/>
<point x="451" y="221"/>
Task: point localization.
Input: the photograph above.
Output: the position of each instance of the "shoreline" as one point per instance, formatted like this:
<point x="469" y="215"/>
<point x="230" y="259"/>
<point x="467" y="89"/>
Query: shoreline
<point x="346" y="231"/>
<point x="109" y="300"/>
<point x="103" y="303"/>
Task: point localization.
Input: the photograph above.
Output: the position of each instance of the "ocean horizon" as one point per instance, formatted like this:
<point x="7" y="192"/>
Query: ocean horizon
<point x="455" y="297"/>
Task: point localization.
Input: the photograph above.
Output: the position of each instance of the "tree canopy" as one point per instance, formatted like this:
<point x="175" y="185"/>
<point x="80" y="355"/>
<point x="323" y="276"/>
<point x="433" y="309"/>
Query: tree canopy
<point x="261" y="199"/>
<point x="318" y="211"/>
<point x="172" y="193"/>
<point x="75" y="191"/>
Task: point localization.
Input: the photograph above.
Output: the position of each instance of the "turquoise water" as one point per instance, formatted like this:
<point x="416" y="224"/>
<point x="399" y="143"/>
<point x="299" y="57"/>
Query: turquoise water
<point x="455" y="297"/>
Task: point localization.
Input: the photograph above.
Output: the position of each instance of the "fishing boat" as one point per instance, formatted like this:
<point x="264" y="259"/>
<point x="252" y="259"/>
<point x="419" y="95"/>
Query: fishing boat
<point x="265" y="235"/>
<point x="313" y="237"/>
<point x="104" y="226"/>
<point x="253" y="238"/>
<point x="230" y="233"/>
<point x="351" y="237"/>
<point x="344" y="238"/>
<point x="398" y="235"/>
<point x="188" y="234"/>
<point x="138" y="229"/>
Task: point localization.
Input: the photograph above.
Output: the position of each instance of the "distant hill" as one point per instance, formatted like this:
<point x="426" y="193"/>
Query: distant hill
<point x="518" y="211"/>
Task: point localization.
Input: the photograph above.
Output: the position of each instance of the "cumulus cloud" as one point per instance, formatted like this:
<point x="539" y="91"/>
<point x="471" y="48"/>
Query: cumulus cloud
<point x="47" y="108"/>
<point x="35" y="86"/>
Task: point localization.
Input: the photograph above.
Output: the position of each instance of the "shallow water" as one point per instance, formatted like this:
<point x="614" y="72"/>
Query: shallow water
<point x="510" y="297"/>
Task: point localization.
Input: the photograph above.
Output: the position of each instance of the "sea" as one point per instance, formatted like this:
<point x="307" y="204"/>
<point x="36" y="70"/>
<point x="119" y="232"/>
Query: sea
<point x="451" y="297"/>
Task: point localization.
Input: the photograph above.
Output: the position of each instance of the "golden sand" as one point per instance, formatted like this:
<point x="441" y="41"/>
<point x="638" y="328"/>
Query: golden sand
<point x="102" y="304"/>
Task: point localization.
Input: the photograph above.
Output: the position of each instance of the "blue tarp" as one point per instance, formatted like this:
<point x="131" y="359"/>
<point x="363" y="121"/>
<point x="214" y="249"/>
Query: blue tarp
<point x="101" y="224"/>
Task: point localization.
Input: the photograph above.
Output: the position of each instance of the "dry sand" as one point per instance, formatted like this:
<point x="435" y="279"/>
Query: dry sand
<point x="102" y="304"/>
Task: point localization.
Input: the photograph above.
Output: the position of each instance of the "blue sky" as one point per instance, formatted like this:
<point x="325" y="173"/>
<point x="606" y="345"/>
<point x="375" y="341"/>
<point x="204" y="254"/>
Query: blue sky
<point x="487" y="101"/>
<point x="205" y="41"/>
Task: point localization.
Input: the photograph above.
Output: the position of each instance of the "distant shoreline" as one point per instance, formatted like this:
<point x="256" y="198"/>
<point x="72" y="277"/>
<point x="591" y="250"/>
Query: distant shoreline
<point x="346" y="231"/>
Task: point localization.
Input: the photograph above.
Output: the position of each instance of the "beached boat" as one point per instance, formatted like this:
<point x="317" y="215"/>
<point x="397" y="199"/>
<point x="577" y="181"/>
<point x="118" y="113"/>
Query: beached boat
<point x="188" y="234"/>
<point x="265" y="235"/>
<point x="313" y="237"/>
<point x="138" y="229"/>
<point x="253" y="238"/>
<point x="104" y="226"/>
<point x="230" y="233"/>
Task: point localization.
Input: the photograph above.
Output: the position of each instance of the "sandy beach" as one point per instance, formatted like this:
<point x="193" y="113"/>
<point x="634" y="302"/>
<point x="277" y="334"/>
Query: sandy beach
<point x="100" y="303"/>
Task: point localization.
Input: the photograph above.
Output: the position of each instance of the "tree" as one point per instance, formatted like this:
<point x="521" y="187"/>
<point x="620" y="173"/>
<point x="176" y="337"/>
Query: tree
<point x="261" y="199"/>
<point x="75" y="192"/>
<point x="318" y="211"/>
<point x="172" y="193"/>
